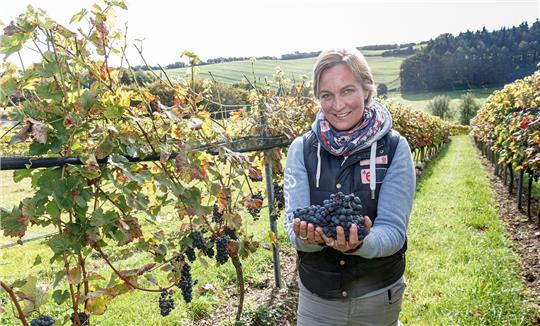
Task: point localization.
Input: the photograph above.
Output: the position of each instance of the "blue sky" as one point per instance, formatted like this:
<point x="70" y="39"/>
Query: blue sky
<point x="260" y="27"/>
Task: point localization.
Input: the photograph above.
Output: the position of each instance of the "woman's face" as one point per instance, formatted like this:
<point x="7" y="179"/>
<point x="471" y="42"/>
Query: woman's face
<point x="342" y="97"/>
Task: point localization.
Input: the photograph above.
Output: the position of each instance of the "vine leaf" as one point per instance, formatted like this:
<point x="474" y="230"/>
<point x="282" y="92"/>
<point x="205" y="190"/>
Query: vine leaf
<point x="78" y="16"/>
<point x="60" y="296"/>
<point x="97" y="305"/>
<point x="74" y="275"/>
<point x="21" y="136"/>
<point x="14" y="223"/>
<point x="252" y="203"/>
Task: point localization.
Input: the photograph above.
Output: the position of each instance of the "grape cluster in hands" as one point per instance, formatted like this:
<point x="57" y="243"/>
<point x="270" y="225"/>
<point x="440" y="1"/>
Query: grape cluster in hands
<point x="340" y="210"/>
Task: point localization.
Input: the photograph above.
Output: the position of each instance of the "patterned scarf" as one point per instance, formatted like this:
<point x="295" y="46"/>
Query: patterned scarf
<point x="375" y="123"/>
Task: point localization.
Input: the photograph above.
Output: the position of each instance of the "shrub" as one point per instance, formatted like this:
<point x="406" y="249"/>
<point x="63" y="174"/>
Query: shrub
<point x="440" y="106"/>
<point x="467" y="108"/>
<point x="382" y="90"/>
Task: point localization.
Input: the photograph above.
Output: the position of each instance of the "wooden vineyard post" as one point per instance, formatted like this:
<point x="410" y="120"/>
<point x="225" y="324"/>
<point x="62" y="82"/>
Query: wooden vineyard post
<point x="529" y="194"/>
<point x="520" y="188"/>
<point x="511" y="181"/>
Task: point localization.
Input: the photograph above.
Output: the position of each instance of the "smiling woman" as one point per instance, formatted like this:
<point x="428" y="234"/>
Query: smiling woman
<point x="346" y="278"/>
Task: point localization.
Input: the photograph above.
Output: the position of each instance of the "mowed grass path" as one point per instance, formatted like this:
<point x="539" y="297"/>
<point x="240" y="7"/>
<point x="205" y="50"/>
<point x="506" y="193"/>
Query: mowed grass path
<point x="461" y="269"/>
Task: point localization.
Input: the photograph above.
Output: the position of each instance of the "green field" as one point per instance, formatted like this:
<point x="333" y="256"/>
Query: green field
<point x="385" y="69"/>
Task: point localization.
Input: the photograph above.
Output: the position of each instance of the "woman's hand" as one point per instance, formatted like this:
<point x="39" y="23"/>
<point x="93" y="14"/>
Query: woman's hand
<point x="340" y="243"/>
<point x="306" y="232"/>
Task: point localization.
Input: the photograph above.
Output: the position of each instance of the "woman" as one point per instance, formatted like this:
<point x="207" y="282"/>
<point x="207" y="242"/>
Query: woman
<point x="351" y="149"/>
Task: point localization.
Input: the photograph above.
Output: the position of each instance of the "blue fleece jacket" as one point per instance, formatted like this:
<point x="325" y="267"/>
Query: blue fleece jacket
<point x="388" y="233"/>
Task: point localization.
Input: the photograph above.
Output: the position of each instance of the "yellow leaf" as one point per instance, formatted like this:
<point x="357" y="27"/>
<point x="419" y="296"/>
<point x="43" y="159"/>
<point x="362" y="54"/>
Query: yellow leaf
<point x="97" y="305"/>
<point x="273" y="237"/>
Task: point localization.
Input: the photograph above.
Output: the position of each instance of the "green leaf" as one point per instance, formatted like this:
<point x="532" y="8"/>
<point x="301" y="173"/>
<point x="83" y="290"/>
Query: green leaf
<point x="19" y="175"/>
<point x="78" y="16"/>
<point x="13" y="223"/>
<point x="100" y="219"/>
<point x="52" y="209"/>
<point x="58" y="277"/>
<point x="37" y="261"/>
<point x="81" y="202"/>
<point x="38" y="149"/>
<point x="87" y="100"/>
<point x="11" y="44"/>
<point x="60" y="296"/>
<point x="29" y="288"/>
<point x="59" y="244"/>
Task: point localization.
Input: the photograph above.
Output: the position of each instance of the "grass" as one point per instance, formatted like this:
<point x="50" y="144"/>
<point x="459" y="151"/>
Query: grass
<point x="461" y="267"/>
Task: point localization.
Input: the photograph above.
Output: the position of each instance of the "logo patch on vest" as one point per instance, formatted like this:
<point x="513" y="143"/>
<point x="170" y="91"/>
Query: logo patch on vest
<point x="383" y="159"/>
<point x="366" y="175"/>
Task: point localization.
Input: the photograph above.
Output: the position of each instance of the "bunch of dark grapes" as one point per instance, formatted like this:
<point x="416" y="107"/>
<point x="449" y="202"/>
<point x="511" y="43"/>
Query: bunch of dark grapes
<point x="221" y="247"/>
<point x="340" y="210"/>
<point x="209" y="249"/>
<point x="279" y="196"/>
<point x="198" y="240"/>
<point x="84" y="318"/>
<point x="216" y="215"/>
<point x="186" y="283"/>
<point x="255" y="211"/>
<point x="190" y="254"/>
<point x="43" y="320"/>
<point x="230" y="233"/>
<point x="166" y="302"/>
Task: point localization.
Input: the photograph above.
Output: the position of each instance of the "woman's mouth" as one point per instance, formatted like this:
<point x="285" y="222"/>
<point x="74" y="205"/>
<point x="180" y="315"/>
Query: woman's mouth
<point x="342" y="115"/>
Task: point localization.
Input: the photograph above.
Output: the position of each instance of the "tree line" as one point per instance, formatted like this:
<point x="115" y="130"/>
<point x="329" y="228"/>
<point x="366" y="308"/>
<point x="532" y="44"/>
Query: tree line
<point x="473" y="59"/>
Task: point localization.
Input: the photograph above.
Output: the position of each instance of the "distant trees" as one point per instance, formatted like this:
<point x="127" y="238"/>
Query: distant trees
<point x="300" y="55"/>
<point x="399" y="52"/>
<point x="467" y="108"/>
<point x="476" y="59"/>
<point x="439" y="106"/>
<point x="382" y="90"/>
<point x="140" y="76"/>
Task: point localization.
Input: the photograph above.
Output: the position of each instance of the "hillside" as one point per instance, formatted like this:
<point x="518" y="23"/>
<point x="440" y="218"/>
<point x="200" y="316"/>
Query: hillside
<point x="385" y="69"/>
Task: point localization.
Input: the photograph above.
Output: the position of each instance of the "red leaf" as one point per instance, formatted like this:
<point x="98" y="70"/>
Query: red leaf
<point x="252" y="203"/>
<point x="255" y="174"/>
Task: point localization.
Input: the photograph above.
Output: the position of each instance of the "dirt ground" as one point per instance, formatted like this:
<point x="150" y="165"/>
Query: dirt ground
<point x="524" y="232"/>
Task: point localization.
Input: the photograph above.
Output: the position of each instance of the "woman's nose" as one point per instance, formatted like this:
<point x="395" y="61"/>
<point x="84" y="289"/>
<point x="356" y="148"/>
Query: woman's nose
<point x="338" y="103"/>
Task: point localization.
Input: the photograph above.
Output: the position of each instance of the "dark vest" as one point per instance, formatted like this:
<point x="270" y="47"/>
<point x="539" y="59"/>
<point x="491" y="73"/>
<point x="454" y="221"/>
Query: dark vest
<point x="330" y="273"/>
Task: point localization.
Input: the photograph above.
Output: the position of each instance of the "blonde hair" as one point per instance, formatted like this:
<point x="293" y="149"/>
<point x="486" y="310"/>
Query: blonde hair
<point x="354" y="60"/>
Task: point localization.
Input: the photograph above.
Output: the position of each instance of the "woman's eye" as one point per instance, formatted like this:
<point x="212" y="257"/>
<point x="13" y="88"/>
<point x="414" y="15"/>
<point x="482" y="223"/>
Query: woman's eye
<point x="347" y="91"/>
<point x="325" y="96"/>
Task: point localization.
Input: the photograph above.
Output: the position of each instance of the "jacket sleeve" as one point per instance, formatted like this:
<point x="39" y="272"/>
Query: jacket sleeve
<point x="296" y="192"/>
<point x="388" y="233"/>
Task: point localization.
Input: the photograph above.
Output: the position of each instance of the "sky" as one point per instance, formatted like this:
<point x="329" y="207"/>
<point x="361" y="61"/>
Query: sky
<point x="251" y="28"/>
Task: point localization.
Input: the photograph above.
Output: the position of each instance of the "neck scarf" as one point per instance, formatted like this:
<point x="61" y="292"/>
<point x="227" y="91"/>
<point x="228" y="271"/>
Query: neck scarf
<point x="376" y="122"/>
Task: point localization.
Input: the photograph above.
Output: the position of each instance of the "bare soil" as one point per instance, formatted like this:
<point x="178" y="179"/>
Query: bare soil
<point x="524" y="231"/>
<point x="282" y="301"/>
